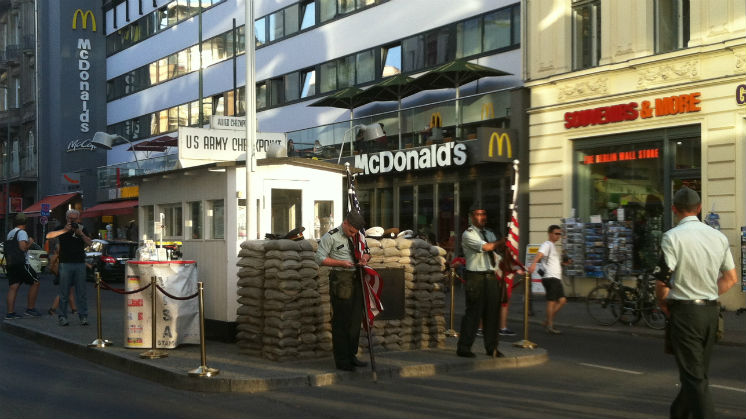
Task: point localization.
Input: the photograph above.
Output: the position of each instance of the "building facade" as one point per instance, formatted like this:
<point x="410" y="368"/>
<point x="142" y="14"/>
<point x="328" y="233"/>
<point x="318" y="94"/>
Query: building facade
<point x="629" y="102"/>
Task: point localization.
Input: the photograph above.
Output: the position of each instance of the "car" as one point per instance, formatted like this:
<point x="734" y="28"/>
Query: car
<point x="108" y="257"/>
<point x="37" y="257"/>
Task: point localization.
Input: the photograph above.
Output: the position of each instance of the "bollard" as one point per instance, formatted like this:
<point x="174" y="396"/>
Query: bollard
<point x="203" y="370"/>
<point x="450" y="332"/>
<point x="525" y="343"/>
<point x="153" y="353"/>
<point x="99" y="342"/>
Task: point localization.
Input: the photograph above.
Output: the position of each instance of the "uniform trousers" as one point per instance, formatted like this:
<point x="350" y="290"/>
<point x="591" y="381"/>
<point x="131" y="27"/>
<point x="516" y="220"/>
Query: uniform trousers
<point x="483" y="299"/>
<point x="693" y="331"/>
<point x="346" y="295"/>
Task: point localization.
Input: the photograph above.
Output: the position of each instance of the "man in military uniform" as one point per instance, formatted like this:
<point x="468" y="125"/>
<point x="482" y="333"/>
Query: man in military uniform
<point x="336" y="250"/>
<point x="483" y="290"/>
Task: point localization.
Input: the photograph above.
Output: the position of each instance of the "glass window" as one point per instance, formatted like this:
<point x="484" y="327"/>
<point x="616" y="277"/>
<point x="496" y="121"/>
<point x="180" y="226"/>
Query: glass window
<point x="276" y="87"/>
<point x="391" y="59"/>
<point x="687" y="153"/>
<point x="162" y="70"/>
<point x="365" y="66"/>
<point x="286" y="209"/>
<point x="328" y="76"/>
<point x="516" y="25"/>
<point x="291" y="20"/>
<point x="182" y="63"/>
<point x="195" y="219"/>
<point x="426" y="212"/>
<point x="194" y="113"/>
<point x="323" y="217"/>
<point x="437" y="47"/>
<point x="469" y="37"/>
<point x="261" y="95"/>
<point x="345" y="6"/>
<point x="413" y="50"/>
<point x="173" y="15"/>
<point x="162" y="121"/>
<point x="276" y="26"/>
<point x="497" y="30"/>
<point x="207" y="53"/>
<point x="327" y="9"/>
<point x="586" y="34"/>
<point x="385" y="207"/>
<point x="216" y="214"/>
<point x="260" y="31"/>
<point x="194" y="58"/>
<point x="153" y="73"/>
<point x="172" y="221"/>
<point x="671" y="25"/>
<point x="406" y="208"/>
<point x="446" y="234"/>
<point x="218" y="48"/>
<point x="171" y="59"/>
<point x="308" y="10"/>
<point x="173" y="118"/>
<point x="346" y="72"/>
<point x="309" y="83"/>
<point x="292" y="86"/>
<point x="206" y="110"/>
<point x="184" y="115"/>
<point x="148" y="215"/>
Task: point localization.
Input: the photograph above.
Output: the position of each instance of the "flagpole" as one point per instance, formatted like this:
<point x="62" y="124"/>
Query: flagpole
<point x="363" y="287"/>
<point x="525" y="343"/>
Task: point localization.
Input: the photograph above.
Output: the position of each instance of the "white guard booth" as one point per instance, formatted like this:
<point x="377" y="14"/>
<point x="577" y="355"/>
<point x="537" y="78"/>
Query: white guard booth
<point x="204" y="207"/>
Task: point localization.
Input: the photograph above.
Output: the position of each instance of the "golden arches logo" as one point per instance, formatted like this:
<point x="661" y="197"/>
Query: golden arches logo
<point x="436" y="120"/>
<point x="500" y="139"/>
<point x="488" y="111"/>
<point x="84" y="17"/>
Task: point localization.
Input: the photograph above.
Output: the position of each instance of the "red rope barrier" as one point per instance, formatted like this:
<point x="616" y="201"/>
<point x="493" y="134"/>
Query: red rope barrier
<point x="122" y="291"/>
<point x="174" y="297"/>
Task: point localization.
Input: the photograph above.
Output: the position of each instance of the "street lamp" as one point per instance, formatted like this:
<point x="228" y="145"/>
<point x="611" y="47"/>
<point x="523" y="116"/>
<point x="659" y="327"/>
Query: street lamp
<point x="370" y="132"/>
<point x="106" y="141"/>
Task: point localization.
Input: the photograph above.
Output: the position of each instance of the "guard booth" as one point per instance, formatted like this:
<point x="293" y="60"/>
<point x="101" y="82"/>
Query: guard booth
<point x="204" y="207"/>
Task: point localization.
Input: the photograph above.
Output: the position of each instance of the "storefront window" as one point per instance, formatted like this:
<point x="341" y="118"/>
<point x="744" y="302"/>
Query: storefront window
<point x="286" y="210"/>
<point x="687" y="153"/>
<point x="385" y="207"/>
<point x="406" y="208"/>
<point x="216" y="214"/>
<point x="172" y="221"/>
<point x="323" y="217"/>
<point x="446" y="221"/>
<point x="425" y="213"/>
<point x="195" y="219"/>
<point x="149" y="216"/>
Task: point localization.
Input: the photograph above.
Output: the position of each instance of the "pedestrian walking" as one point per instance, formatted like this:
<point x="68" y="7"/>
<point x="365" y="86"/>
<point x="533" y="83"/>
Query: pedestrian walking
<point x="551" y="274"/>
<point x="697" y="267"/>
<point x="18" y="269"/>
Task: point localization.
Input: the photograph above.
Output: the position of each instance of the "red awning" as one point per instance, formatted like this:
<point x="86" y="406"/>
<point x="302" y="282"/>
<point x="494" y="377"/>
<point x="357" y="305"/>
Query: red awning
<point x="110" y="208"/>
<point x="156" y="144"/>
<point x="54" y="201"/>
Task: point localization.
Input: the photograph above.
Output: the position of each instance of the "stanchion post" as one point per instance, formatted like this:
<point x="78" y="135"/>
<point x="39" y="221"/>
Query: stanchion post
<point x="203" y="370"/>
<point x="99" y="342"/>
<point x="525" y="343"/>
<point x="451" y="333"/>
<point x="153" y="353"/>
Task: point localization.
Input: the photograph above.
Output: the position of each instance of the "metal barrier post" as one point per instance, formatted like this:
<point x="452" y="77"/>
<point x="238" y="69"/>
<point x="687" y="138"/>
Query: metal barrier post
<point x="450" y="332"/>
<point x="153" y="353"/>
<point x="525" y="343"/>
<point x="203" y="370"/>
<point x="99" y="342"/>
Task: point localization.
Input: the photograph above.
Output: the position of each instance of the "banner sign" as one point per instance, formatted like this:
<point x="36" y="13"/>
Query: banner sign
<point x="212" y="145"/>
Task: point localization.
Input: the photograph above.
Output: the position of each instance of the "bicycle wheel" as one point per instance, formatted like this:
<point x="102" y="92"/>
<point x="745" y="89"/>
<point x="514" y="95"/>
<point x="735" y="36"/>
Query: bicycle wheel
<point x="653" y="315"/>
<point x="604" y="305"/>
<point x="629" y="313"/>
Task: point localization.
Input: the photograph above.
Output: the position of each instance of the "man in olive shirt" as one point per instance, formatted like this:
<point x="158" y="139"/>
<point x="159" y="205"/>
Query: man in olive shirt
<point x="701" y="266"/>
<point x="336" y="250"/>
<point x="483" y="290"/>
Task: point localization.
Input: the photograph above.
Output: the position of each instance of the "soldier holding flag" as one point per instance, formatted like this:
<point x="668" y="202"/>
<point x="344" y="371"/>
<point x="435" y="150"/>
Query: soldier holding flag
<point x="336" y="250"/>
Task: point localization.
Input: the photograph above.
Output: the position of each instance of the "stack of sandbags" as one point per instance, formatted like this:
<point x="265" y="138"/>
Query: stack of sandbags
<point x="423" y="325"/>
<point x="250" y="297"/>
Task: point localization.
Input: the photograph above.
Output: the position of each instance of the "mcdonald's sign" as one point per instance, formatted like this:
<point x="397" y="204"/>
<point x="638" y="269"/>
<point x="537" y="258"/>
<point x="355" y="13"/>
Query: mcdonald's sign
<point x="436" y="120"/>
<point x="497" y="145"/>
<point x="84" y="18"/>
<point x="488" y="111"/>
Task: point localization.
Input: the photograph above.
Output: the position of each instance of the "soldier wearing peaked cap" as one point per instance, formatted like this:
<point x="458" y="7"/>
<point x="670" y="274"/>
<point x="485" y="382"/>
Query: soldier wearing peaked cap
<point x="483" y="290"/>
<point x="336" y="250"/>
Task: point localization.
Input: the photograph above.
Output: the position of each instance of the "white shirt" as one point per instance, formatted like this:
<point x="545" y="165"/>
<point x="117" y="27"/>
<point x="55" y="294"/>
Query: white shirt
<point x="551" y="260"/>
<point x="22" y="236"/>
<point x="696" y="253"/>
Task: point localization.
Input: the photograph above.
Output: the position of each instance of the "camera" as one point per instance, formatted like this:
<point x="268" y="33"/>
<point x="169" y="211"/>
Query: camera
<point x="541" y="272"/>
<point x="74" y="226"/>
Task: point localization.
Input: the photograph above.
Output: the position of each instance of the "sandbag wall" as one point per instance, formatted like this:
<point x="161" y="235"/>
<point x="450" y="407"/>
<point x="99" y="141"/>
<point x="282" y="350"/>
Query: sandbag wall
<point x="285" y="309"/>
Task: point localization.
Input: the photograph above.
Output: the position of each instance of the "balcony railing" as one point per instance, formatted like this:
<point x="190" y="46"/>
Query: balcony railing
<point x="115" y="175"/>
<point x="421" y="125"/>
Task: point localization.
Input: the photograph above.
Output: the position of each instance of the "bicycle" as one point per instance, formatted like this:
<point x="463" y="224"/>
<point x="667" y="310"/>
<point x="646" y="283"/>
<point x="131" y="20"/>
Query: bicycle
<point x="614" y="302"/>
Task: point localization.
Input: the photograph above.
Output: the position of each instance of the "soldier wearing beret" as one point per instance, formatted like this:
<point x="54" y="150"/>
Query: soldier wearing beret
<point x="336" y="250"/>
<point x="483" y="290"/>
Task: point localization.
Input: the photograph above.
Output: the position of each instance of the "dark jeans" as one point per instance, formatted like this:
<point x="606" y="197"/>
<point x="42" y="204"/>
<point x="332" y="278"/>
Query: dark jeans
<point x="483" y="299"/>
<point x="347" y="314"/>
<point x="693" y="329"/>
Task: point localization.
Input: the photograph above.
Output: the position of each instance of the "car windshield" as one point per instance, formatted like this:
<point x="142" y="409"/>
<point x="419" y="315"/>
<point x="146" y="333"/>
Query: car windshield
<point x="120" y="250"/>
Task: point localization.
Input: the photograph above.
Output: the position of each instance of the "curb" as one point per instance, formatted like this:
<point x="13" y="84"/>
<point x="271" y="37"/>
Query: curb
<point x="128" y="362"/>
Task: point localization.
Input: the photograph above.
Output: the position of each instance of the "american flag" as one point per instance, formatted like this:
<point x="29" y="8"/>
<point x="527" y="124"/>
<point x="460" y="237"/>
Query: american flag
<point x="371" y="279"/>
<point x="512" y="243"/>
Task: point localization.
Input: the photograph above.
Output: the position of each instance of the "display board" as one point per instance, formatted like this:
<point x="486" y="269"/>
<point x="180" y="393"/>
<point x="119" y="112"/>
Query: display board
<point x="531" y="251"/>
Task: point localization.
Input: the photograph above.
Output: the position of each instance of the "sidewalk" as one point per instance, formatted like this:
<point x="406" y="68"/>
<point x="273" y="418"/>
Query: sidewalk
<point x="575" y="315"/>
<point x="238" y="373"/>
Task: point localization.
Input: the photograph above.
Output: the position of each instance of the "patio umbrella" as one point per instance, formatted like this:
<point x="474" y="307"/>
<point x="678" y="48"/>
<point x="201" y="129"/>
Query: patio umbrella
<point x="453" y="75"/>
<point x="347" y="98"/>
<point x="393" y="88"/>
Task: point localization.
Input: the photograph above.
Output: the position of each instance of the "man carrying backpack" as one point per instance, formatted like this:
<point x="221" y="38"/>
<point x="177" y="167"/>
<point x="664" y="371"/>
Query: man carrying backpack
<point x="19" y="271"/>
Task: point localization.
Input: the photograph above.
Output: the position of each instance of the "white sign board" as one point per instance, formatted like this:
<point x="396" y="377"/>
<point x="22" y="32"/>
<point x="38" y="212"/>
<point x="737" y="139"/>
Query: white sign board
<point x="227" y="122"/>
<point x="211" y="145"/>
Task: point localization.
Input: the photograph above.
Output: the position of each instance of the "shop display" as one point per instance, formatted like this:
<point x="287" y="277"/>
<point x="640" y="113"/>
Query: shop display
<point x="595" y="249"/>
<point x="573" y="246"/>
<point x="619" y="244"/>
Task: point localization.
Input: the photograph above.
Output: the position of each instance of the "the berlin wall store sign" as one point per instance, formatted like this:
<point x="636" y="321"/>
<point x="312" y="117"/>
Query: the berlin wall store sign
<point x="665" y="106"/>
<point x="428" y="157"/>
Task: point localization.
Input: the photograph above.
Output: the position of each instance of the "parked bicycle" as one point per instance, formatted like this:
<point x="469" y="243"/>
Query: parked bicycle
<point x="613" y="302"/>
